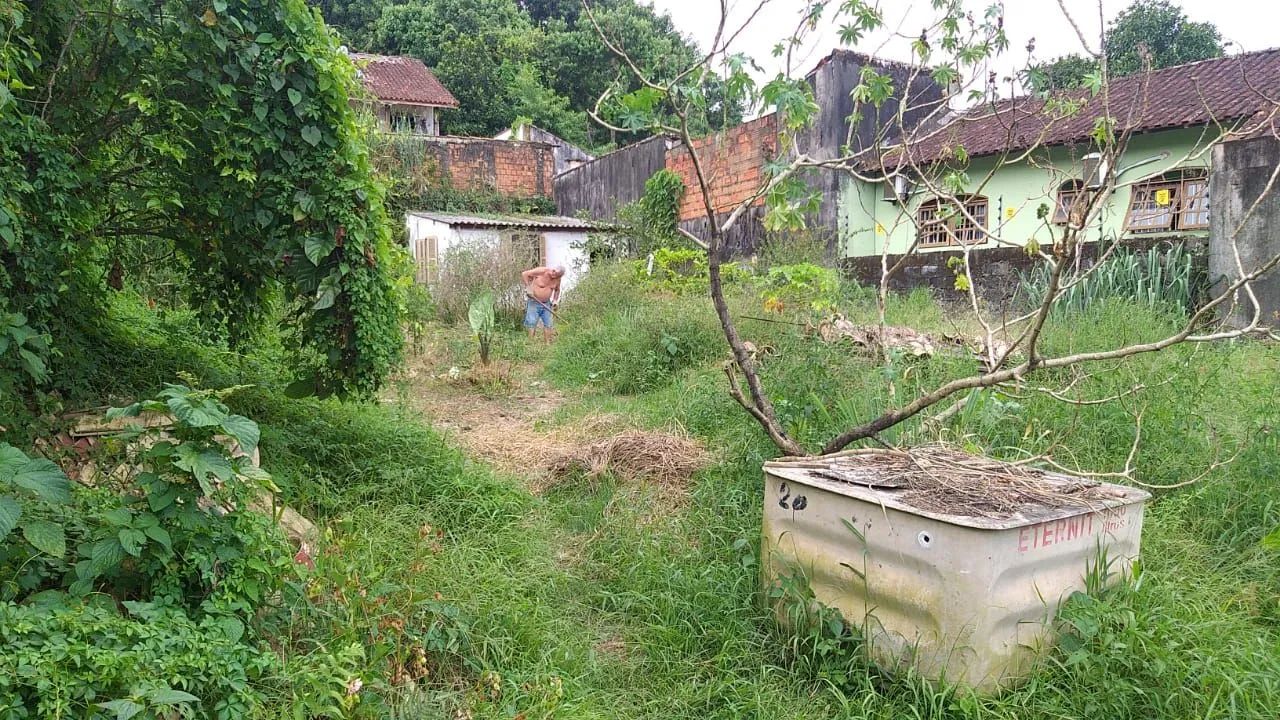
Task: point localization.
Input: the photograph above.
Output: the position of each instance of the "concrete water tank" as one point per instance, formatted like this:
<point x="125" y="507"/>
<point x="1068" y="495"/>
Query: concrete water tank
<point x="950" y="563"/>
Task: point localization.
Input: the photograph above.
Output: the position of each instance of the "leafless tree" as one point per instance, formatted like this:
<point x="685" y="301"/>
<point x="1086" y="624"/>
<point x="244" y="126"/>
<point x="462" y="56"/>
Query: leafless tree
<point x="957" y="52"/>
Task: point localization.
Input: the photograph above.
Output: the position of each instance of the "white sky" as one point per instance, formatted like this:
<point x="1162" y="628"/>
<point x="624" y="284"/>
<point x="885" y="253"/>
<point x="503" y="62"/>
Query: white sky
<point x="1245" y="24"/>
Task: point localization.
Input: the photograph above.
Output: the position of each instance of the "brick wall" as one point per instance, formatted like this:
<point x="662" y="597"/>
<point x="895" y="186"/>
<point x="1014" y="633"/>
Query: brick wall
<point x="733" y="162"/>
<point x="520" y="169"/>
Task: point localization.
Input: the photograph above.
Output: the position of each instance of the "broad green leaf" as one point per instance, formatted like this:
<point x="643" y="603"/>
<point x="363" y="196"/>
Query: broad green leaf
<point x="45" y="536"/>
<point x="202" y="413"/>
<point x="295" y="97"/>
<point x="132" y="540"/>
<point x="126" y="411"/>
<point x="1271" y="540"/>
<point x="244" y="430"/>
<point x="11" y="458"/>
<point x="318" y="247"/>
<point x="45" y="480"/>
<point x="311" y="134"/>
<point x="232" y="626"/>
<point x="105" y="555"/>
<point x="161" y="536"/>
<point x="118" y="516"/>
<point x="10" y="511"/>
<point x="170" y="697"/>
<point x="202" y="463"/>
<point x="123" y="708"/>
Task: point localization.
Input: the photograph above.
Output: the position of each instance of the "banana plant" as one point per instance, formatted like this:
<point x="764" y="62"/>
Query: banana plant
<point x="480" y="316"/>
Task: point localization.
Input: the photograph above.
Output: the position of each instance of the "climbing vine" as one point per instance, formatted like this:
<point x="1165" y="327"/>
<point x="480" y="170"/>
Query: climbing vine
<point x="220" y="132"/>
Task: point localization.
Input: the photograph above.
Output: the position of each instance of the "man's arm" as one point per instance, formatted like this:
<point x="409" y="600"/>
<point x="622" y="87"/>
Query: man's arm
<point x="528" y="275"/>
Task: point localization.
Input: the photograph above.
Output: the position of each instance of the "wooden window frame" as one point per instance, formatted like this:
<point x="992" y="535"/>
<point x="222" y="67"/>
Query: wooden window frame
<point x="957" y="229"/>
<point x="1068" y="206"/>
<point x="1188" y="207"/>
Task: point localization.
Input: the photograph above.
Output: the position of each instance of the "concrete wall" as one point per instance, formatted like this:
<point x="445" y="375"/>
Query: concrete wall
<point x="833" y="81"/>
<point x="1241" y="172"/>
<point x="869" y="225"/>
<point x="603" y="185"/>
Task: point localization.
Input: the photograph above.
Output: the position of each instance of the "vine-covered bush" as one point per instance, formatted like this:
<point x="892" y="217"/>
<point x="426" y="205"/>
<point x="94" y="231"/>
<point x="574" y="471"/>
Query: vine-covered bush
<point x="652" y="222"/>
<point x="220" y="134"/>
<point x="168" y="583"/>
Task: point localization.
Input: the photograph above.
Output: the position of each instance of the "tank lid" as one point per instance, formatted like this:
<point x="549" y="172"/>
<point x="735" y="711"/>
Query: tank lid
<point x="955" y="487"/>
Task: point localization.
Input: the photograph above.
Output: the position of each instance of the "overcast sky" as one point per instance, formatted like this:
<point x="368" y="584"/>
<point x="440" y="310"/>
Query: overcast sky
<point x="1246" y="24"/>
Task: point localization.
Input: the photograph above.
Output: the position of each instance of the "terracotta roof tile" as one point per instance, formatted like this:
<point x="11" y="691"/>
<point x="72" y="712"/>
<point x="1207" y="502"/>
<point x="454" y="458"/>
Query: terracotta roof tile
<point x="396" y="78"/>
<point x="1219" y="90"/>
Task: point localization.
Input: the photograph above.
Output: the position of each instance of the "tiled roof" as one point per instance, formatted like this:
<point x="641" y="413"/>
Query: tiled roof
<point x="396" y="78"/>
<point x="532" y="222"/>
<point x="1200" y="93"/>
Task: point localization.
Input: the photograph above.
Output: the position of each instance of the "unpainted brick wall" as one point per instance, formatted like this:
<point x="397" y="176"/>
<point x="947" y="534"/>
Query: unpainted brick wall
<point x="520" y="169"/>
<point x="733" y="162"/>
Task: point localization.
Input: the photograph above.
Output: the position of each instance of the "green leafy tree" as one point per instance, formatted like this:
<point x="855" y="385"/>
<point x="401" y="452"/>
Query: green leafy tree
<point x="222" y="134"/>
<point x="1157" y="31"/>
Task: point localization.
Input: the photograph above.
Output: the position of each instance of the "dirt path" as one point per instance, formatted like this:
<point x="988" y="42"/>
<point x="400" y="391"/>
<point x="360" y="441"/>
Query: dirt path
<point x="508" y="417"/>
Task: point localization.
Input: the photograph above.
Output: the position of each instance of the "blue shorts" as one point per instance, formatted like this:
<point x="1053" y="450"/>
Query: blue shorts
<point x="535" y="311"/>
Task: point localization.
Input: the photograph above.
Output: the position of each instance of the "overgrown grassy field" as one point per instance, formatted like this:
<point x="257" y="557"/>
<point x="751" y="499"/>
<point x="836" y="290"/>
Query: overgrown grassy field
<point x="604" y="599"/>
<point x="607" y="600"/>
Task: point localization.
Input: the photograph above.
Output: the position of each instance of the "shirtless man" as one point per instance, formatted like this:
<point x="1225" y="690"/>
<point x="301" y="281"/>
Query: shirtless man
<point x="542" y="293"/>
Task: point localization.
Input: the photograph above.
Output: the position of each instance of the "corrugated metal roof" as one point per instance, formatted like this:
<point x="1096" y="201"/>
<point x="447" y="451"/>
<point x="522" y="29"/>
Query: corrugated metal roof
<point x="396" y="78"/>
<point x="1191" y="95"/>
<point x="533" y="222"/>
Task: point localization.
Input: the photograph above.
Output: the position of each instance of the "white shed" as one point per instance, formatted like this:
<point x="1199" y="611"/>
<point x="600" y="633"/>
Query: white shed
<point x="535" y="240"/>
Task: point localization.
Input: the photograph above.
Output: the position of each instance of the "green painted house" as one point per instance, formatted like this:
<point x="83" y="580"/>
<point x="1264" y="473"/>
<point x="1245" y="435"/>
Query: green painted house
<point x="1022" y="167"/>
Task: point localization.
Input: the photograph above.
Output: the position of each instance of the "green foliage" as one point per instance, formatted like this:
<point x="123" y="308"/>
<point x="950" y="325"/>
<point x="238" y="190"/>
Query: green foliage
<point x="639" y="344"/>
<point x="661" y="202"/>
<point x="252" y="171"/>
<point x="480" y="317"/>
<point x="505" y="59"/>
<point x="1156" y="29"/>
<point x="807" y="285"/>
<point x="683" y="270"/>
<point x="1167" y="278"/>
<point x="652" y="222"/>
<point x="24" y="481"/>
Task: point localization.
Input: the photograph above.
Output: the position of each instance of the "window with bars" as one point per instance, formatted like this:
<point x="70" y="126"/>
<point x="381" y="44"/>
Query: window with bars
<point x="941" y="223"/>
<point x="525" y="249"/>
<point x="1071" y="204"/>
<point x="1175" y="201"/>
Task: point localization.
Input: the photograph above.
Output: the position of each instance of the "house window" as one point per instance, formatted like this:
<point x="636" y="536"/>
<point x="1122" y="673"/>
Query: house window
<point x="1073" y="199"/>
<point x="426" y="255"/>
<point x="1174" y="201"/>
<point x="525" y="249"/>
<point x="941" y="223"/>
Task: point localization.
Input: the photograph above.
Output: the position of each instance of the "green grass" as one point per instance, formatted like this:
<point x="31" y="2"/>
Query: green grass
<point x="603" y="600"/>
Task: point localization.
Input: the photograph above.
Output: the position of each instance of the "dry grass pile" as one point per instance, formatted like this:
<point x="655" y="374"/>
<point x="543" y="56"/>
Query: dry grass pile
<point x="661" y="458"/>
<point x="940" y="479"/>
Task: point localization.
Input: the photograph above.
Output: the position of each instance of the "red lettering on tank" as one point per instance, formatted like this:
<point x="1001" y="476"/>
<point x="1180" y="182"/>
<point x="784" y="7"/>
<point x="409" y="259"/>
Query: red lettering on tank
<point x="1054" y="532"/>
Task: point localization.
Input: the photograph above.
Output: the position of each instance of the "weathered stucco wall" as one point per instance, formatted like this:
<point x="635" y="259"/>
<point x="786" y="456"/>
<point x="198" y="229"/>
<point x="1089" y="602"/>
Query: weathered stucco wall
<point x="610" y="181"/>
<point x="1014" y="194"/>
<point x="1241" y="172"/>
